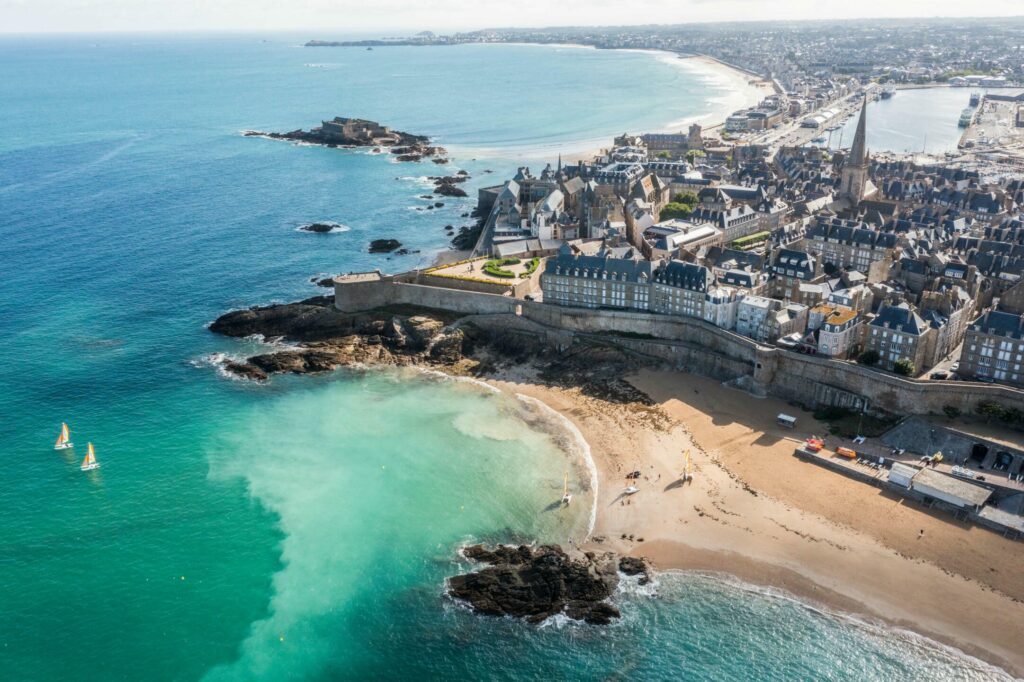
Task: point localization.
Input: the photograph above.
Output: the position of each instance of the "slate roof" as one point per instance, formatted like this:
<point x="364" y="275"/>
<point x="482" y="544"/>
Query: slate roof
<point x="677" y="273"/>
<point x="901" y="318"/>
<point x="999" y="323"/>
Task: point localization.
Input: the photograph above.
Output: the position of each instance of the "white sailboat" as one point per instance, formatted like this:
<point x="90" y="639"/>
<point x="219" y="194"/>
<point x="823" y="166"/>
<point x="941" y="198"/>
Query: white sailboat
<point x="566" y="495"/>
<point x="631" y="489"/>
<point x="64" y="439"/>
<point x="90" y="463"/>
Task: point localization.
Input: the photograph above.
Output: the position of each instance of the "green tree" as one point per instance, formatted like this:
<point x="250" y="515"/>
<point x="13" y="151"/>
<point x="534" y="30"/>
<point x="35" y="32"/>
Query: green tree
<point x="1011" y="415"/>
<point x="663" y="155"/>
<point x="869" y="358"/>
<point x="990" y="410"/>
<point x="686" y="198"/>
<point x="951" y="411"/>
<point x="694" y="154"/>
<point x="904" y="366"/>
<point x="676" y="210"/>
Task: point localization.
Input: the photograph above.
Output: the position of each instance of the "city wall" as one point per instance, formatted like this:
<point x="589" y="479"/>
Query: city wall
<point x="692" y="345"/>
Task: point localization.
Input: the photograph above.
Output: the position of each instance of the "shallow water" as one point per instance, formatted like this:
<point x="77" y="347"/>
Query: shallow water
<point x="300" y="529"/>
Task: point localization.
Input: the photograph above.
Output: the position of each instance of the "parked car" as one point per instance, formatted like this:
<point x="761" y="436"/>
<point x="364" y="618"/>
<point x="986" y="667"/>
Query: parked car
<point x="939" y="375"/>
<point x="954" y="367"/>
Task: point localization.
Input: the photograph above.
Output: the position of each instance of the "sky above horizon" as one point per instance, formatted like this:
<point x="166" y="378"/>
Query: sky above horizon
<point x="326" y="18"/>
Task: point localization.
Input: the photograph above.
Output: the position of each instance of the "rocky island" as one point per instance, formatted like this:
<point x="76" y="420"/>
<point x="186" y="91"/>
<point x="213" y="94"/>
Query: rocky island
<point x="537" y="583"/>
<point x="357" y="132"/>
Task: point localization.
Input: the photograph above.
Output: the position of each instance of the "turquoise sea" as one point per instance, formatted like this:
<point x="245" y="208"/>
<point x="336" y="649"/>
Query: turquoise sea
<point x="302" y="530"/>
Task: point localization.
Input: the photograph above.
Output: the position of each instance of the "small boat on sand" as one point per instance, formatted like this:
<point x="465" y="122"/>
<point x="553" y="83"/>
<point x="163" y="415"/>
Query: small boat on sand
<point x="90" y="463"/>
<point x="64" y="439"/>
<point x="630" y="490"/>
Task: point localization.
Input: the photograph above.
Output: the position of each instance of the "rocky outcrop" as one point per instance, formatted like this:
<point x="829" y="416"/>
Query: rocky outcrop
<point x="327" y="339"/>
<point x="321" y="228"/>
<point x="537" y="583"/>
<point x="331" y="339"/>
<point x="314" y="319"/>
<point x="350" y="133"/>
<point x="448" y="185"/>
<point x="384" y="245"/>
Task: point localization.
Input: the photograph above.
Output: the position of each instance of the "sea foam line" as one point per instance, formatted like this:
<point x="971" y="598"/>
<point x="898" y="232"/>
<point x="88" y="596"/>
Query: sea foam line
<point x="877" y="628"/>
<point x="581" y="443"/>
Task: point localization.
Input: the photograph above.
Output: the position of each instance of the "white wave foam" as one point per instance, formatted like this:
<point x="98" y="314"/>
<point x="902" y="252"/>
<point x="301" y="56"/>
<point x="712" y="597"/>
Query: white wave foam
<point x="581" y="444"/>
<point x="876" y="628"/>
<point x="219" y="362"/>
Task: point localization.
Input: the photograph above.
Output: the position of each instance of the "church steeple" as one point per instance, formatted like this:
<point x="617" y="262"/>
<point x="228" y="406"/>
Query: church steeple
<point x="858" y="152"/>
<point x="854" y="184"/>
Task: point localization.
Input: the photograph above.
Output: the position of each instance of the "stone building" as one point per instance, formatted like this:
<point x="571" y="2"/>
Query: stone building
<point x="993" y="348"/>
<point x="839" y="333"/>
<point x="679" y="288"/>
<point x="854" y="183"/>
<point x="789" y="271"/>
<point x="599" y="281"/>
<point x="847" y="244"/>
<point x="897" y="333"/>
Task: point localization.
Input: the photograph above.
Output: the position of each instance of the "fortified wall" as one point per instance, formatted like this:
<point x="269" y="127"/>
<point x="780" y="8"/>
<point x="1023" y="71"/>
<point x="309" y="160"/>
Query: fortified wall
<point x="691" y="345"/>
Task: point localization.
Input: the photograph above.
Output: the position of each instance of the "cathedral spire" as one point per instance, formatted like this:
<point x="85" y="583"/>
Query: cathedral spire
<point x="858" y="152"/>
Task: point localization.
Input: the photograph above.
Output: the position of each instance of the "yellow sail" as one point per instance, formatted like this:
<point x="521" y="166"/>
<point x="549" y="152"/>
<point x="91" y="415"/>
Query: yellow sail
<point x="565" y="488"/>
<point x="90" y="457"/>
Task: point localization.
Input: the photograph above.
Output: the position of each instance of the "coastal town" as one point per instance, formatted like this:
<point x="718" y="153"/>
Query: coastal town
<point x="752" y="292"/>
<point x="478" y="341"/>
<point x="870" y="266"/>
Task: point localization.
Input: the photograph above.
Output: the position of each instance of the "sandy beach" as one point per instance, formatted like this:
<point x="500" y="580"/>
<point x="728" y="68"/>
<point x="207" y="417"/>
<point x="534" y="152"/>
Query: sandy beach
<point x="741" y="90"/>
<point x="757" y="512"/>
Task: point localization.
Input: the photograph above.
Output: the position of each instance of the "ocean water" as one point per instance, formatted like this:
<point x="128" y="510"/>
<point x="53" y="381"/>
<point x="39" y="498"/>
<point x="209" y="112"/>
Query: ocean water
<point x="303" y="529"/>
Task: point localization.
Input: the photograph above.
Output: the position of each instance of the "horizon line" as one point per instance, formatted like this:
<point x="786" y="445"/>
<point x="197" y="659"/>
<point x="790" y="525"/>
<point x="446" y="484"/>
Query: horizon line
<point x="411" y="32"/>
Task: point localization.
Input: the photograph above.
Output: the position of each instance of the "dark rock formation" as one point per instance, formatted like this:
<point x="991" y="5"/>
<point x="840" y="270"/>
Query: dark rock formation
<point x="322" y="228"/>
<point x="449" y="190"/>
<point x="537" y="583"/>
<point x="384" y="245"/>
<point x="332" y="339"/>
<point x="246" y="371"/>
<point x="314" y="319"/>
<point x="363" y="134"/>
<point x="342" y="132"/>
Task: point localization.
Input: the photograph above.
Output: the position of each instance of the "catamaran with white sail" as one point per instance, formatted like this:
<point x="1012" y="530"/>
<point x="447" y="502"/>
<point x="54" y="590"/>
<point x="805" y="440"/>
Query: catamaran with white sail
<point x="90" y="463"/>
<point x="64" y="439"/>
<point x="566" y="495"/>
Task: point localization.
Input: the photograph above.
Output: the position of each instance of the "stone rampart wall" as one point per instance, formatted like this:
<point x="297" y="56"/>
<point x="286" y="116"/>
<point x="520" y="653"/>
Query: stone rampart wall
<point x="697" y="346"/>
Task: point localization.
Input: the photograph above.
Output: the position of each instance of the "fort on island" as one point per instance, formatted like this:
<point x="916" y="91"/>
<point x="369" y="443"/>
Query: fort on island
<point x="862" y="283"/>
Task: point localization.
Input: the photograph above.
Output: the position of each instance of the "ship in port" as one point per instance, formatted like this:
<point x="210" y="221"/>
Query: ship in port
<point x="975" y="99"/>
<point x="888" y="92"/>
<point x="966" y="118"/>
